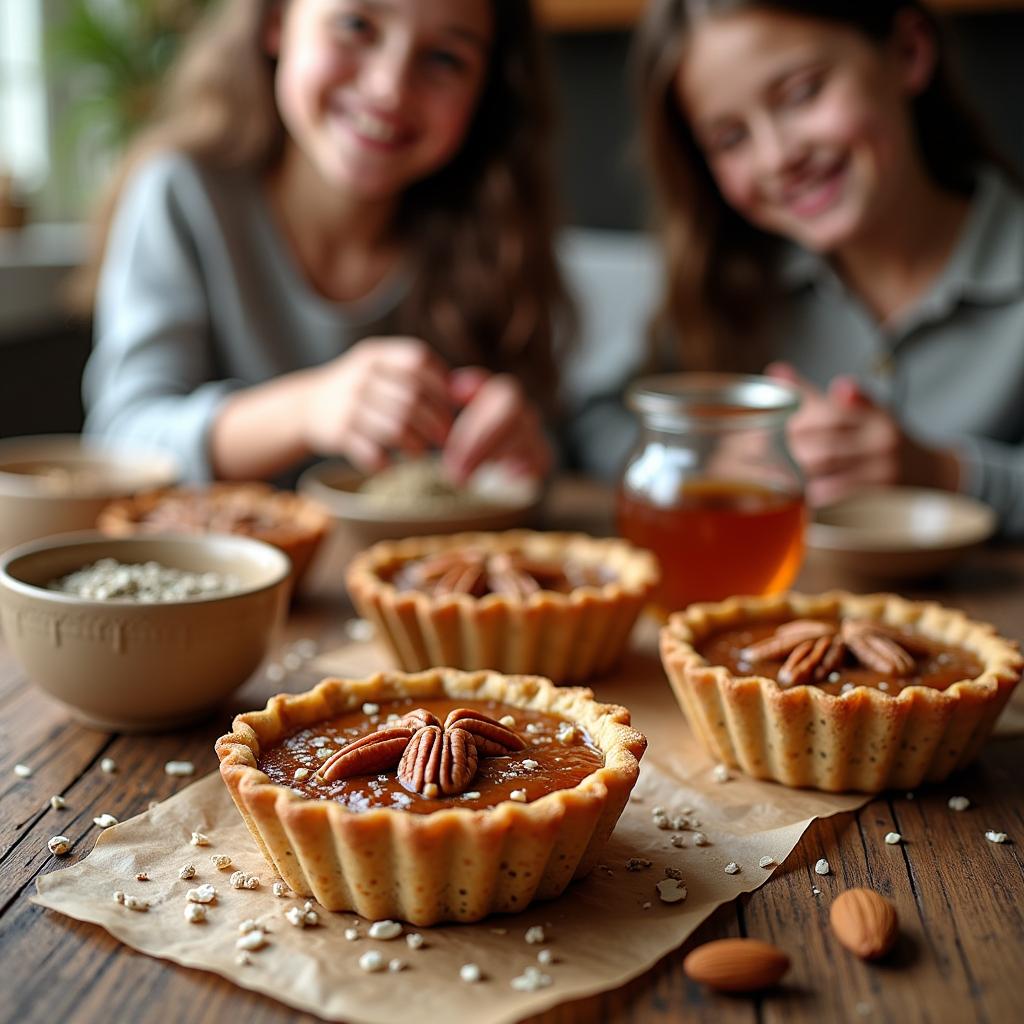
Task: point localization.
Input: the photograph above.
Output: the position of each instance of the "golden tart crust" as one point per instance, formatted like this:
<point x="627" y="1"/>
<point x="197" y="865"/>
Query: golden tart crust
<point x="291" y="522"/>
<point x="567" y="637"/>
<point x="864" y="739"/>
<point x="454" y="864"/>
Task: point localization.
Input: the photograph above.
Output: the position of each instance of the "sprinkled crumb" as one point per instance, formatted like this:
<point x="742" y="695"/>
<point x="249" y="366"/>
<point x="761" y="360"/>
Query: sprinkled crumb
<point x="637" y="864"/>
<point x="104" y="821"/>
<point x="187" y="871"/>
<point x="508" y="721"/>
<point x="732" y="868"/>
<point x="198" y="839"/>
<point x="385" y="930"/>
<point x="893" y="838"/>
<point x="996" y="837"/>
<point x="253" y="940"/>
<point x="396" y="965"/>
<point x="472" y="794"/>
<point x="221" y="861"/>
<point x="815" y="891"/>
<point x="531" y="979"/>
<point x="280" y="889"/>
<point x="470" y="973"/>
<point x="302" y="917"/>
<point x="530" y="765"/>
<point x="22" y="771"/>
<point x="301" y="773"/>
<point x="720" y="773"/>
<point x="958" y="803"/>
<point x="699" y="839"/>
<point x="766" y="861"/>
<point x="195" y="913"/>
<point x="243" y="959"/>
<point x="369" y="708"/>
<point x="351" y="934"/>
<point x="180" y="769"/>
<point x="535" y="935"/>
<point x="671" y="890"/>
<point x="822" y="867"/>
<point x="646" y="905"/>
<point x="545" y="957"/>
<point x="205" y="893"/>
<point x="108" y="766"/>
<point x="372" y="961"/>
<point x="246" y="926"/>
<point x="519" y="795"/>
<point x="414" y="940"/>
<point x="240" y="880"/>
<point x="58" y="803"/>
<point x="59" y="845"/>
<point x="671" y="872"/>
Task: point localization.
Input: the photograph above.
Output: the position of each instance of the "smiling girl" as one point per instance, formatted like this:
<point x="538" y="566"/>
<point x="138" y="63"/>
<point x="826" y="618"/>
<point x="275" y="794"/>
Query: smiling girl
<point x="335" y="239"/>
<point x="830" y="211"/>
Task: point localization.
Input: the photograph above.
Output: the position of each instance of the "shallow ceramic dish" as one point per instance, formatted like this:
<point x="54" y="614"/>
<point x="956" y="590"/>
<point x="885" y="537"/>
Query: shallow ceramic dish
<point x="129" y="666"/>
<point x="898" y="532"/>
<point x="504" y="502"/>
<point x="57" y="483"/>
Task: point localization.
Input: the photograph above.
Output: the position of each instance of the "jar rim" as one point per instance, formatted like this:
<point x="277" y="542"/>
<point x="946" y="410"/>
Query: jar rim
<point x="713" y="399"/>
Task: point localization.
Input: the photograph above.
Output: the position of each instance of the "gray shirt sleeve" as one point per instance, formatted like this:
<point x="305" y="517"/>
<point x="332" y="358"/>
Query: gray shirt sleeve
<point x="151" y="379"/>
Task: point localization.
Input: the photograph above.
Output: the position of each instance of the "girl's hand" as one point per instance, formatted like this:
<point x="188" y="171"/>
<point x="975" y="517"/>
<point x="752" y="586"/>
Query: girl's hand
<point x="843" y="441"/>
<point x="383" y="394"/>
<point x="497" y="423"/>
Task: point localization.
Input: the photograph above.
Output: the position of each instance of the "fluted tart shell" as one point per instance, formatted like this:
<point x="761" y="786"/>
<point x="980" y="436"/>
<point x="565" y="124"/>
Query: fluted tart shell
<point x="863" y="740"/>
<point x="455" y="863"/>
<point x="566" y="637"/>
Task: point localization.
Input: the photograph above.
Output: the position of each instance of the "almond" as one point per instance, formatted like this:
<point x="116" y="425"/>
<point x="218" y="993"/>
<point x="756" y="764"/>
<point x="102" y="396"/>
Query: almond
<point x="737" y="965"/>
<point x="864" y="922"/>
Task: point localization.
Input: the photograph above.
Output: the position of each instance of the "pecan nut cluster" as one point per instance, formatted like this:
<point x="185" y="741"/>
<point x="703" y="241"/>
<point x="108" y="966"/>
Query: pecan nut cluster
<point x="476" y="572"/>
<point x="432" y="759"/>
<point x="813" y="649"/>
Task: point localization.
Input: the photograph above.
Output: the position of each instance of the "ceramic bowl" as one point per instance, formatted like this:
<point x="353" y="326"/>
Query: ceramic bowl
<point x="504" y="503"/>
<point x="898" y="533"/>
<point x="129" y="666"/>
<point x="58" y="483"/>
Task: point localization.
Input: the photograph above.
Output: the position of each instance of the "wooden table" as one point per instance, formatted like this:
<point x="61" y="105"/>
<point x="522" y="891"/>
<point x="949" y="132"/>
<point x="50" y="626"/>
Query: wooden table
<point x="960" y="898"/>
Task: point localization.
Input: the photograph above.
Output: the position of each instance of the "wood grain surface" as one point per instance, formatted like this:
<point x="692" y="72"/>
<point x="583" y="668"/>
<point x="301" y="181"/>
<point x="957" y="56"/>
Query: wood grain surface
<point x="960" y="898"/>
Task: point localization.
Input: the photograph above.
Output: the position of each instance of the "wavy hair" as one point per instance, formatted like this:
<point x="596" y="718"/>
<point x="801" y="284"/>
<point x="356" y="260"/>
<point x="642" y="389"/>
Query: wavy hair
<point x="478" y="233"/>
<point x="719" y="266"/>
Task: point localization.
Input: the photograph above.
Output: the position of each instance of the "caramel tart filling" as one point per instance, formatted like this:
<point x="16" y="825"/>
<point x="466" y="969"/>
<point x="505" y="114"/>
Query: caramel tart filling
<point x="375" y="757"/>
<point x="837" y="655"/>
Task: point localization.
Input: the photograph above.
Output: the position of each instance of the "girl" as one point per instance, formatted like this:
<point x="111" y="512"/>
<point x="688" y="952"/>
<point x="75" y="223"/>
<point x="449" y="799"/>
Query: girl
<point x="338" y="202"/>
<point x="829" y="210"/>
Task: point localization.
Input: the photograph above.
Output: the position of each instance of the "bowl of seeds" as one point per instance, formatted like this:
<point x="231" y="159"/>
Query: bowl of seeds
<point x="141" y="633"/>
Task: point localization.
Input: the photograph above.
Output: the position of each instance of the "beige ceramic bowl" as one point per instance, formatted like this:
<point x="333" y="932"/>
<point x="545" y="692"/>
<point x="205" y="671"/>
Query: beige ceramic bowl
<point x="359" y="522"/>
<point x="58" y="483"/>
<point x="129" y="666"/>
<point x="898" y="533"/>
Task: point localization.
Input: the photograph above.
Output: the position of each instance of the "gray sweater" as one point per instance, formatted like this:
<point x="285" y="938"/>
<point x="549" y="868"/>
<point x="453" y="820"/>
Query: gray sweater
<point x="199" y="296"/>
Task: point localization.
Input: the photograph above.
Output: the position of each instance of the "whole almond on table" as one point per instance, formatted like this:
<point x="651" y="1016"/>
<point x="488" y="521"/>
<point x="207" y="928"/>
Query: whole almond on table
<point x="737" y="965"/>
<point x="864" y="922"/>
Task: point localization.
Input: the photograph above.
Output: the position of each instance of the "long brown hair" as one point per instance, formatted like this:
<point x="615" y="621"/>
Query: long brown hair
<point x="478" y="233"/>
<point x="719" y="266"/>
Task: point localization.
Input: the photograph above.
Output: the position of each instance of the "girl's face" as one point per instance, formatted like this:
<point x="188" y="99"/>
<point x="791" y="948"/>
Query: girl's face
<point x="805" y="124"/>
<point x="378" y="94"/>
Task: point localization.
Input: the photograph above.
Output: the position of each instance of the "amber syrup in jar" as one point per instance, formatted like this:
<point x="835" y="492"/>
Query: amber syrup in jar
<point x="711" y="488"/>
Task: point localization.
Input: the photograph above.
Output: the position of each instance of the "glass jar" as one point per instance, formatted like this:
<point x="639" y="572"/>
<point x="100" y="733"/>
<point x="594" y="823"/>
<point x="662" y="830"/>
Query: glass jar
<point x="711" y="487"/>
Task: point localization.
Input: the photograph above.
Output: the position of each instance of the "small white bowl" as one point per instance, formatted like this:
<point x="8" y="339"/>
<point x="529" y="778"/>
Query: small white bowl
<point x="128" y="666"/>
<point x="898" y="533"/>
<point x="58" y="483"/>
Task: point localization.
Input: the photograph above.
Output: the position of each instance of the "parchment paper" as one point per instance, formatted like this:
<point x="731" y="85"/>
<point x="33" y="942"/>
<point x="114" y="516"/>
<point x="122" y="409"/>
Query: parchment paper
<point x="603" y="931"/>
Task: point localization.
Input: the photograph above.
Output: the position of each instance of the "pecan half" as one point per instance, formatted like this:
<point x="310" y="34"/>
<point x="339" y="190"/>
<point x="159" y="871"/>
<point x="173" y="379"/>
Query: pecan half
<point x="459" y="760"/>
<point x="421" y="762"/>
<point x="414" y="720"/>
<point x="786" y="639"/>
<point x="439" y="761"/>
<point x="875" y="650"/>
<point x="492" y="738"/>
<point x="812" y="661"/>
<point x="375" y="752"/>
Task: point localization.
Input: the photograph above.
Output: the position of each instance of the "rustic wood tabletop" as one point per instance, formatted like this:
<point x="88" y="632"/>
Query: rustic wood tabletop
<point x="960" y="898"/>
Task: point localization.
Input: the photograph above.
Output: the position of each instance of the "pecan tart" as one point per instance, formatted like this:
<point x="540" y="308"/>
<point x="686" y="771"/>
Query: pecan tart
<point x="559" y="605"/>
<point x="439" y="796"/>
<point x="839" y="691"/>
<point x="289" y="521"/>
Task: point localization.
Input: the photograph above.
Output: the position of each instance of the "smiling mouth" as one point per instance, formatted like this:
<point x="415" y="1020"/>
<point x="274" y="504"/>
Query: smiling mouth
<point x="814" y="197"/>
<point x="373" y="128"/>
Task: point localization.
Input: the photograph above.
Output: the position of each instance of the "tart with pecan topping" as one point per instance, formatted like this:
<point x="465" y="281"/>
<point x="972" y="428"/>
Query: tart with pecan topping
<point x="291" y="522"/>
<point x="560" y="605"/>
<point x="438" y="796"/>
<point x="838" y="691"/>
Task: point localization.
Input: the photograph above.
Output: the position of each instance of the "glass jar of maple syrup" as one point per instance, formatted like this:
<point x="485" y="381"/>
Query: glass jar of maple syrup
<point x="711" y="487"/>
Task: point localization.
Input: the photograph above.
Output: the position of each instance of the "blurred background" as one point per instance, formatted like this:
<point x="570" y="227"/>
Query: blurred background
<point x="78" y="76"/>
